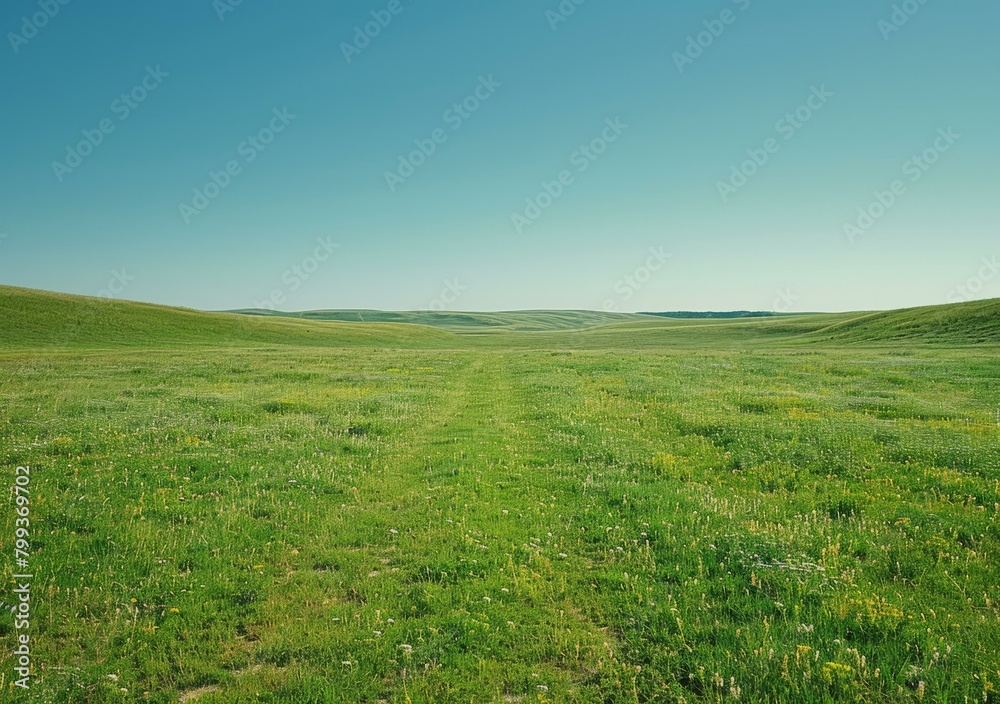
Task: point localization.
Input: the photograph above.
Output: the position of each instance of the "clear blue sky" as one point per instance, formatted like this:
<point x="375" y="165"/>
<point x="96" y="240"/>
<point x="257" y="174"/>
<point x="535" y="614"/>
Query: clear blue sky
<point x="351" y="113"/>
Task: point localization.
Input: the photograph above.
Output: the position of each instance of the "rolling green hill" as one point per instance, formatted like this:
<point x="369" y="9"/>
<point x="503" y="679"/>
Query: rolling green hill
<point x="959" y="324"/>
<point x="707" y="333"/>
<point x="31" y="319"/>
<point x="976" y="322"/>
<point x="466" y="322"/>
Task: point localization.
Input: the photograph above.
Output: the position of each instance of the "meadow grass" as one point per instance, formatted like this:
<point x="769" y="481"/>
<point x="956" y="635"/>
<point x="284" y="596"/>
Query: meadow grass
<point x="479" y="526"/>
<point x="303" y="524"/>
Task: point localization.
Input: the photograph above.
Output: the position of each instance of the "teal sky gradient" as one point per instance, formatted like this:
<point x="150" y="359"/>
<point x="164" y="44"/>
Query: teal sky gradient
<point x="778" y="242"/>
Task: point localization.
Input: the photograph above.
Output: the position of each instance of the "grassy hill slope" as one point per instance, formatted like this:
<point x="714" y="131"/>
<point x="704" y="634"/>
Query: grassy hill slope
<point x="685" y="333"/>
<point x="460" y="322"/>
<point x="976" y="322"/>
<point x="30" y="319"/>
<point x="959" y="324"/>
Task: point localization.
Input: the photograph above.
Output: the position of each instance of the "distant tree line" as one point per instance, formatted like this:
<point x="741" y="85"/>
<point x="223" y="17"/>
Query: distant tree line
<point x="713" y="314"/>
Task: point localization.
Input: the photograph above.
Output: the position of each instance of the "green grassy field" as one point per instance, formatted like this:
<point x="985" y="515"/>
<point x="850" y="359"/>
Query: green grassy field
<point x="510" y="321"/>
<point x="244" y="509"/>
